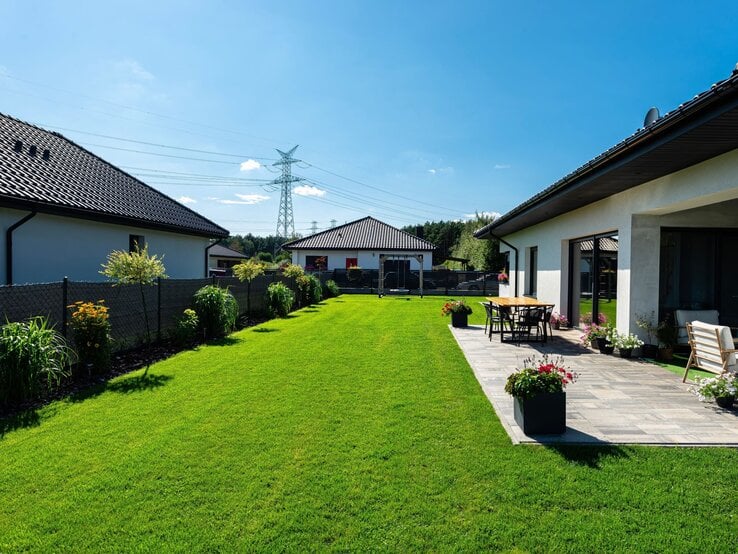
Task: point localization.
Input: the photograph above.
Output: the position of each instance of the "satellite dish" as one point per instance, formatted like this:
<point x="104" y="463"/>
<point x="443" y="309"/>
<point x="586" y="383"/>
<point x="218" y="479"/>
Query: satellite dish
<point x="651" y="116"/>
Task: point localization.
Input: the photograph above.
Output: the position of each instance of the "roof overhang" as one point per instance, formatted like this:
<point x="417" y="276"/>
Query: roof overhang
<point x="700" y="129"/>
<point x="66" y="211"/>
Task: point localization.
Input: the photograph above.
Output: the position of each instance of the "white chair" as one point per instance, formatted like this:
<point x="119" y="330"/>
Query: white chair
<point x="687" y="316"/>
<point x="713" y="348"/>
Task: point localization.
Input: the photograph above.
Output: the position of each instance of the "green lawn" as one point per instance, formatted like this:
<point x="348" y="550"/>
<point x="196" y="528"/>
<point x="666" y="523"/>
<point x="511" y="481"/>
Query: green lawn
<point x="355" y="425"/>
<point x="608" y="308"/>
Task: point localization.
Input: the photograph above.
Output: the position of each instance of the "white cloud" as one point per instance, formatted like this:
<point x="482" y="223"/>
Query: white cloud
<point x="441" y="171"/>
<point x="186" y="200"/>
<point x="245" y="199"/>
<point x="502" y="166"/>
<point x="213" y="198"/>
<point x="250" y="165"/>
<point x="309" y="190"/>
<point x="493" y="215"/>
<point x="134" y="69"/>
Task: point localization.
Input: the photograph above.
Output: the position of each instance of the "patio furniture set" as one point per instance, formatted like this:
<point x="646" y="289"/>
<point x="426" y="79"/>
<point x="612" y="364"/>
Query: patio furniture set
<point x="518" y="318"/>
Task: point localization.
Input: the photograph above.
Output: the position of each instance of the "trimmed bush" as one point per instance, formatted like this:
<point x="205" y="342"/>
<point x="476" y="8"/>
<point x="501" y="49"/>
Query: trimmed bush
<point x="91" y="333"/>
<point x="279" y="299"/>
<point x="330" y="289"/>
<point x="217" y="311"/>
<point x="33" y="357"/>
<point x="185" y="332"/>
<point x="316" y="290"/>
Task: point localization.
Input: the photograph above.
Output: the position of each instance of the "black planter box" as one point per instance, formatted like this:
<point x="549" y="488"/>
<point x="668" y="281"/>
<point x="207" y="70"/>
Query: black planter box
<point x="459" y="319"/>
<point x="544" y="414"/>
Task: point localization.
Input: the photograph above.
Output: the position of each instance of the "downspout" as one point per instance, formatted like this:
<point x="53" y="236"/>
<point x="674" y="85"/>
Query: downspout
<point x="9" y="247"/>
<point x="517" y="258"/>
<point x="207" y="249"/>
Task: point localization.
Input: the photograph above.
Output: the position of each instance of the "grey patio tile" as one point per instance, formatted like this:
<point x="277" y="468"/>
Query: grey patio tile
<point x="615" y="400"/>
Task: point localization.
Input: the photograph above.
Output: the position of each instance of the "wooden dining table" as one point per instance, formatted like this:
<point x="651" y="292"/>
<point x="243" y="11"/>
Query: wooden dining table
<point x="515" y="302"/>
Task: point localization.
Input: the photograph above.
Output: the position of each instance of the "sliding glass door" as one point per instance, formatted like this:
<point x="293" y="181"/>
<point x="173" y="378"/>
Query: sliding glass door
<point x="593" y="279"/>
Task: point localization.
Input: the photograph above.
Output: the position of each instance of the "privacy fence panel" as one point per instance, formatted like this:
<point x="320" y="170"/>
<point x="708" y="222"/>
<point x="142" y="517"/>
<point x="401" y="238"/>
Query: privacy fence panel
<point x="164" y="301"/>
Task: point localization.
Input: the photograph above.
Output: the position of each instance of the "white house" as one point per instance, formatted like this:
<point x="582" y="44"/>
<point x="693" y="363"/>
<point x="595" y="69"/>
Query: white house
<point x="649" y="225"/>
<point x="360" y="243"/>
<point x="63" y="210"/>
<point x="221" y="258"/>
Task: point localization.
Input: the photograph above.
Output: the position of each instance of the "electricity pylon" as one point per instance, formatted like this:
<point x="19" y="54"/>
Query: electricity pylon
<point x="286" y="218"/>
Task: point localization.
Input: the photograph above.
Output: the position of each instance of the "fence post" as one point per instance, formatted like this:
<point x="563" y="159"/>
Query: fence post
<point x="65" y="302"/>
<point x="158" y="309"/>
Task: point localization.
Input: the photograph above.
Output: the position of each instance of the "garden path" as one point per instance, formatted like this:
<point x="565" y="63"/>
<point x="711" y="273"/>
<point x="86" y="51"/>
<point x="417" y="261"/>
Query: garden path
<point x="615" y="400"/>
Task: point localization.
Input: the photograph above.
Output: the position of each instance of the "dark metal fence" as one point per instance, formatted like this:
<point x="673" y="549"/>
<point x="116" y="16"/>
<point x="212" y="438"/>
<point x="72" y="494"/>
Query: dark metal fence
<point x="447" y="282"/>
<point x="165" y="303"/>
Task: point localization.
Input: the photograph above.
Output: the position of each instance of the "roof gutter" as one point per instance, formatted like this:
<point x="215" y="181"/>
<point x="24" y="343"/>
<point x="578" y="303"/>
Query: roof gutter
<point x="207" y="255"/>
<point x="517" y="257"/>
<point x="9" y="247"/>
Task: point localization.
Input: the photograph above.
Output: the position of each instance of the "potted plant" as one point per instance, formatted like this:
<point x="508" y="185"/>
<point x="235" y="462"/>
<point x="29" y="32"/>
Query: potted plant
<point x="502" y="277"/>
<point x="600" y="336"/>
<point x="626" y="343"/>
<point x="538" y="395"/>
<point x="666" y="333"/>
<point x="647" y="323"/>
<point x="723" y="389"/>
<point x="559" y="320"/>
<point x="459" y="311"/>
<point x="592" y="332"/>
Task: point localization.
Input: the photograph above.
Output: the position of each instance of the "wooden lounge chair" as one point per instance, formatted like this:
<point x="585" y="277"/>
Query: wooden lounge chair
<point x="713" y="348"/>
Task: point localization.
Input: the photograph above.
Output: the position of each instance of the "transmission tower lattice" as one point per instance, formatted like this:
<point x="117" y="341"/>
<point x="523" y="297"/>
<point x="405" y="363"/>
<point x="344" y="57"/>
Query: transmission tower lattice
<point x="286" y="217"/>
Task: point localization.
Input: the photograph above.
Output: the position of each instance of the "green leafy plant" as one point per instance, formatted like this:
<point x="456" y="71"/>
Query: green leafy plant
<point x="330" y="289"/>
<point x="667" y="333"/>
<point x="137" y="268"/>
<point x="456" y="307"/>
<point x="248" y="271"/>
<point x="715" y="388"/>
<point x="185" y="331"/>
<point x="279" y="299"/>
<point x="217" y="311"/>
<point x="538" y="376"/>
<point x="627" y="341"/>
<point x="90" y="325"/>
<point x="33" y="357"/>
<point x="647" y="323"/>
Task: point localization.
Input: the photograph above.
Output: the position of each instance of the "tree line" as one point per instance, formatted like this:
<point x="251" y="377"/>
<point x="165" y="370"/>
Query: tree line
<point x="453" y="239"/>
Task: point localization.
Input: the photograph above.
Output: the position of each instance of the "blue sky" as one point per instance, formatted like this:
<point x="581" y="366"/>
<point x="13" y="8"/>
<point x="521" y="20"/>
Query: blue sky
<point x="407" y="111"/>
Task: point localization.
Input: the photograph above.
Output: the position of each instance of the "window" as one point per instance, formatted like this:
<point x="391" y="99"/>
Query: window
<point x="533" y="271"/>
<point x="136" y="242"/>
<point x="352" y="262"/>
<point x="316" y="263"/>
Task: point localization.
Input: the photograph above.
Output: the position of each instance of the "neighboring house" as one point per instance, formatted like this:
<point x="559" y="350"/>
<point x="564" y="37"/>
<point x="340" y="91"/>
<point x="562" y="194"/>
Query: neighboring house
<point x="649" y="225"/>
<point x="221" y="258"/>
<point x="64" y="209"/>
<point x="360" y="243"/>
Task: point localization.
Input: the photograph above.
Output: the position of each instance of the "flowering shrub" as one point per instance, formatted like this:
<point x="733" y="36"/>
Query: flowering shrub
<point x="723" y="386"/>
<point x="627" y="341"/>
<point x="593" y="332"/>
<point x="455" y="307"/>
<point x="538" y="376"/>
<point x="91" y="333"/>
<point x="559" y="319"/>
<point x="586" y="319"/>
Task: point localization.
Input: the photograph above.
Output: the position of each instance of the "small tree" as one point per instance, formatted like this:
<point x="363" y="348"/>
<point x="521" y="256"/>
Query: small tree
<point x="249" y="270"/>
<point x="137" y="267"/>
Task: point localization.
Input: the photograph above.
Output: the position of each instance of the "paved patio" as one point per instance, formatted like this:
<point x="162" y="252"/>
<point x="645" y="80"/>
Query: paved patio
<point x="614" y="401"/>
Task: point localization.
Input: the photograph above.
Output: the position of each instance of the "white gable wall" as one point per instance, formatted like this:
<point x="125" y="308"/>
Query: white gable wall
<point x="47" y="248"/>
<point x="367" y="259"/>
<point x="637" y="216"/>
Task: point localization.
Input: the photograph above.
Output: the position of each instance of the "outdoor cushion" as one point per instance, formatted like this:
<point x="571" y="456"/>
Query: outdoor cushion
<point x="688" y="316"/>
<point x="708" y="350"/>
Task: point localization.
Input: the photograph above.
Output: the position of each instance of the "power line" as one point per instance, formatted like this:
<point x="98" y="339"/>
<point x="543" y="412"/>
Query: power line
<point x="89" y="144"/>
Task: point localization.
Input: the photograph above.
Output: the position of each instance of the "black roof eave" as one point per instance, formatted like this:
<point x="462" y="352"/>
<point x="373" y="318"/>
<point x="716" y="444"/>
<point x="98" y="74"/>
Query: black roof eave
<point x="580" y="188"/>
<point x="90" y="215"/>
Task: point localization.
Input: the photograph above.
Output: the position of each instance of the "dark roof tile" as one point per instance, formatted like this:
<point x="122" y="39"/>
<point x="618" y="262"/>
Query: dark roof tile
<point x="363" y="234"/>
<point x="77" y="183"/>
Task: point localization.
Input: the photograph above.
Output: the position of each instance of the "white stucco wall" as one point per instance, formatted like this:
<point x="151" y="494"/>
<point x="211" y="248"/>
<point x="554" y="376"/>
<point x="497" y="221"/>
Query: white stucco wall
<point x="367" y="259"/>
<point x="699" y="196"/>
<point x="47" y="248"/>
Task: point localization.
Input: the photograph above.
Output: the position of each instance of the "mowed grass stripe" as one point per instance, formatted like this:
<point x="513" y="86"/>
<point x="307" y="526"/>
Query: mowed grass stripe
<point x="355" y="425"/>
